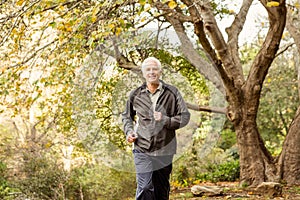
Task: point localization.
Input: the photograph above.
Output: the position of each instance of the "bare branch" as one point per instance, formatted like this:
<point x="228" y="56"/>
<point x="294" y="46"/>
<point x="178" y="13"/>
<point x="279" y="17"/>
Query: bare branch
<point x="221" y="47"/>
<point x="63" y="4"/>
<point x="167" y="11"/>
<point x="33" y="54"/>
<point x="263" y="60"/>
<point x="17" y="15"/>
<point x="284" y="49"/>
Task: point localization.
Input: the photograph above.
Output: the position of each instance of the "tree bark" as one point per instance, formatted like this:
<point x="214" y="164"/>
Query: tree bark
<point x="257" y="164"/>
<point x="289" y="160"/>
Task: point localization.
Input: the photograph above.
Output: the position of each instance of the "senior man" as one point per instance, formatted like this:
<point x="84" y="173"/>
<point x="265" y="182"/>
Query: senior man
<point x="153" y="112"/>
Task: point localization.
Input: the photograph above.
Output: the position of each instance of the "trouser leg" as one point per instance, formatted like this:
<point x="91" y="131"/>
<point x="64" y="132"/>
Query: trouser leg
<point x="144" y="173"/>
<point x="161" y="177"/>
<point x="145" y="188"/>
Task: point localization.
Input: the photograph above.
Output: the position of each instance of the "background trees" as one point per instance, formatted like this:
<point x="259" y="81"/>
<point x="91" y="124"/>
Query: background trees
<point x="66" y="67"/>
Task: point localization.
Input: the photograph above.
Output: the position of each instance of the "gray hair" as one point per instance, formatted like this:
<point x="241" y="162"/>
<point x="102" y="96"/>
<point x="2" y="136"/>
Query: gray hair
<point x="151" y="59"/>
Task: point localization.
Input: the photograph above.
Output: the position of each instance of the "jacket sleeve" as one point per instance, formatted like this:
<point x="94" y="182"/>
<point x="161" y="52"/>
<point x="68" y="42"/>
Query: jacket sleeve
<point x="128" y="116"/>
<point x="182" y="116"/>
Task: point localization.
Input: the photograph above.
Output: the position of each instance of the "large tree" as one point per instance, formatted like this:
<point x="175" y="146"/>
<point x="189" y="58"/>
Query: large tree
<point x="243" y="92"/>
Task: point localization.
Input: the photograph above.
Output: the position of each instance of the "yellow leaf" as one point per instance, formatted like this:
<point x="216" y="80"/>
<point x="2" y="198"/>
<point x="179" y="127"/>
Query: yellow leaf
<point x="147" y="8"/>
<point x="61" y="8"/>
<point x="143" y="19"/>
<point x="69" y="29"/>
<point x="118" y="31"/>
<point x="3" y="69"/>
<point x="20" y="2"/>
<point x="95" y="11"/>
<point x="182" y="6"/>
<point x="231" y="11"/>
<point x="94" y="18"/>
<point x="111" y="26"/>
<point x="297" y="5"/>
<point x="285" y="34"/>
<point x="272" y="3"/>
<point x="94" y="14"/>
<point x="172" y="4"/>
<point x="48" y="145"/>
<point x="14" y="31"/>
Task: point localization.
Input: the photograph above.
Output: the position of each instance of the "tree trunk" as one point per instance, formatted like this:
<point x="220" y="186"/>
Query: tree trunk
<point x="256" y="163"/>
<point x="289" y="160"/>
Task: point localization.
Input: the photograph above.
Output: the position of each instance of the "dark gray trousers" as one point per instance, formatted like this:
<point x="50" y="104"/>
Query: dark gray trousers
<point x="153" y="174"/>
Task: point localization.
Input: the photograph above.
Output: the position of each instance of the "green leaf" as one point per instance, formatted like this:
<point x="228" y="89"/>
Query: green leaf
<point x="142" y="2"/>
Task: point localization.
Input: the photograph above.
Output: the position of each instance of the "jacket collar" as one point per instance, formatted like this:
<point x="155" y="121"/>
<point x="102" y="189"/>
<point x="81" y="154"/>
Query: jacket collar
<point x="161" y="86"/>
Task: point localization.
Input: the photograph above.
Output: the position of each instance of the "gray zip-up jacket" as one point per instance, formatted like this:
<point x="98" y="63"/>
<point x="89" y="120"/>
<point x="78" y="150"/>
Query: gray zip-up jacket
<point x="155" y="137"/>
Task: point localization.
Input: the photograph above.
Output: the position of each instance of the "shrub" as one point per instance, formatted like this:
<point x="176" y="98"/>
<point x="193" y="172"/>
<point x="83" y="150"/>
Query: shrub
<point x="43" y="179"/>
<point x="227" y="139"/>
<point x="97" y="182"/>
<point x="3" y="182"/>
<point x="229" y="171"/>
<point x="5" y="188"/>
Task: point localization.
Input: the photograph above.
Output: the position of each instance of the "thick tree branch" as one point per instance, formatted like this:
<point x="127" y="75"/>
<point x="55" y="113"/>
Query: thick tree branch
<point x="264" y="58"/>
<point x="199" y="31"/>
<point x="210" y="24"/>
<point x="174" y="13"/>
<point x="206" y="108"/>
<point x="231" y="76"/>
<point x="206" y="69"/>
<point x="233" y="35"/>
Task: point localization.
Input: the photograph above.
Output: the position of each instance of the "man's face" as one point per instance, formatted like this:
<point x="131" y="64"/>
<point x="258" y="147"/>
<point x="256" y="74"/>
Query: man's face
<point x="151" y="72"/>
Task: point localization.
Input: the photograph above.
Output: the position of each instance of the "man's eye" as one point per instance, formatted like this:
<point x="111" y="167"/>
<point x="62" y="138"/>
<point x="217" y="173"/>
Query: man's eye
<point x="151" y="69"/>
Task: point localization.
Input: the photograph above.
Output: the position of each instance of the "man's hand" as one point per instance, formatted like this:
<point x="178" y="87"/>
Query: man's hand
<point x="131" y="137"/>
<point x="157" y="116"/>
